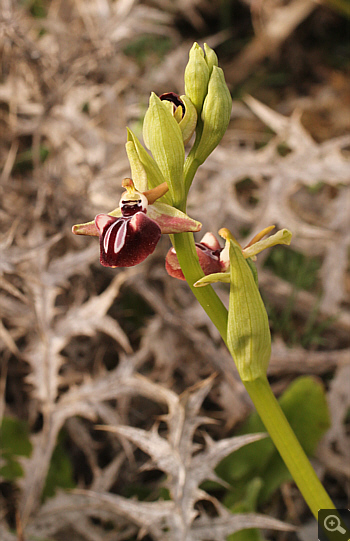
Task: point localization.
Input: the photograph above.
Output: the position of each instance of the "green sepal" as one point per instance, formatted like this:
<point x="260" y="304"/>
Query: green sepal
<point x="171" y="220"/>
<point x="188" y="121"/>
<point x="89" y="228"/>
<point x="248" y="333"/>
<point x="138" y="172"/>
<point x="223" y="277"/>
<point x="162" y="135"/>
<point x="139" y="158"/>
<point x="283" y="236"/>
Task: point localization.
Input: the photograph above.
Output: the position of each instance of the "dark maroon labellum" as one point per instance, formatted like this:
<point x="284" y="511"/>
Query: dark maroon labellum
<point x="214" y="254"/>
<point x="127" y="240"/>
<point x="175" y="99"/>
<point x="209" y="260"/>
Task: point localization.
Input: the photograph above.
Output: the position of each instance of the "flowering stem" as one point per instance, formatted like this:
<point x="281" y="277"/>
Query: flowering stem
<point x="191" y="163"/>
<point x="259" y="390"/>
<point x="190" y="169"/>
<point x="288" y="445"/>
<point x="188" y="259"/>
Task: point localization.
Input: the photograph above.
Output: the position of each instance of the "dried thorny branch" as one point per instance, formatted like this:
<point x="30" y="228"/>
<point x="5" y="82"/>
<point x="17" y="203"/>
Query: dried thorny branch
<point x="177" y="455"/>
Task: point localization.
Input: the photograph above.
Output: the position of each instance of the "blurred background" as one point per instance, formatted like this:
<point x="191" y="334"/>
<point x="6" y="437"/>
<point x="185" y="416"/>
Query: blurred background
<point x="75" y="337"/>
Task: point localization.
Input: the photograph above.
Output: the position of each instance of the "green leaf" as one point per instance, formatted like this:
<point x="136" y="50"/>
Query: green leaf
<point x="248" y="504"/>
<point x="305" y="406"/>
<point x="14" y="442"/>
<point x="14" y="438"/>
<point x="60" y="474"/>
<point x="11" y="470"/>
<point x="250" y="461"/>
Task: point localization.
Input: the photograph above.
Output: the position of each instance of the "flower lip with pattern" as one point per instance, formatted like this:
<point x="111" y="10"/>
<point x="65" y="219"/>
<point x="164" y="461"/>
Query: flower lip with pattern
<point x="129" y="239"/>
<point x="130" y="233"/>
<point x="208" y="252"/>
<point x="214" y="259"/>
<point x="249" y="252"/>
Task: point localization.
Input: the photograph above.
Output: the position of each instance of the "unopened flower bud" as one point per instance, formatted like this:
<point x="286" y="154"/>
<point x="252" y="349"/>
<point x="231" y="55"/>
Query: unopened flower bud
<point x="162" y="135"/>
<point x="188" y="122"/>
<point x="196" y="77"/>
<point x="183" y="111"/>
<point x="210" y="58"/>
<point x="216" y="114"/>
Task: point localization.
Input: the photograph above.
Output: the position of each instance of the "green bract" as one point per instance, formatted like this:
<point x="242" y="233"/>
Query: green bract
<point x="162" y="135"/>
<point x="141" y="165"/>
<point x="248" y="333"/>
<point x="196" y="77"/>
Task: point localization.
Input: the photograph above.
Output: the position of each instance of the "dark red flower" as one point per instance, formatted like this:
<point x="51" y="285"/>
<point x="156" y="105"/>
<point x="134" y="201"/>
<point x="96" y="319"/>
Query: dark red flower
<point x="130" y="233"/>
<point x="208" y="251"/>
<point x="126" y="241"/>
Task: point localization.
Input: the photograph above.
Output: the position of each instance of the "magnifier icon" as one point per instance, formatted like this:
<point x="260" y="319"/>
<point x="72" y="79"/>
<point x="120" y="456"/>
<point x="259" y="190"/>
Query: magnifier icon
<point x="332" y="524"/>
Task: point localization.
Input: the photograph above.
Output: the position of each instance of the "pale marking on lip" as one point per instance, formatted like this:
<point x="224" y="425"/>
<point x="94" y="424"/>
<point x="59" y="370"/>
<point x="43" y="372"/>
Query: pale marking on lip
<point x="120" y="237"/>
<point x="107" y="237"/>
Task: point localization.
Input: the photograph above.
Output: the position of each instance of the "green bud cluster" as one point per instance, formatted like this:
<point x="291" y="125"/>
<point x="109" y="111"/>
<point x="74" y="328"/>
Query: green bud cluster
<point x="169" y="125"/>
<point x="215" y="114"/>
<point x="206" y="87"/>
<point x="197" y="77"/>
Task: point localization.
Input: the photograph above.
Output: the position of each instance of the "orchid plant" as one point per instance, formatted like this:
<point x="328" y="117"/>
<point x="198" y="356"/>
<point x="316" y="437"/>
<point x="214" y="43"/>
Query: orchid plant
<point x="154" y="203"/>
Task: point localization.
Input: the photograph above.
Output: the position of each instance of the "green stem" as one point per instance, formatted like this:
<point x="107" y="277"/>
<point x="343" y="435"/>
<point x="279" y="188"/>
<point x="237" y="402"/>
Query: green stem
<point x="288" y="445"/>
<point x="186" y="252"/>
<point x="259" y="390"/>
<point x="191" y="163"/>
<point x="190" y="169"/>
